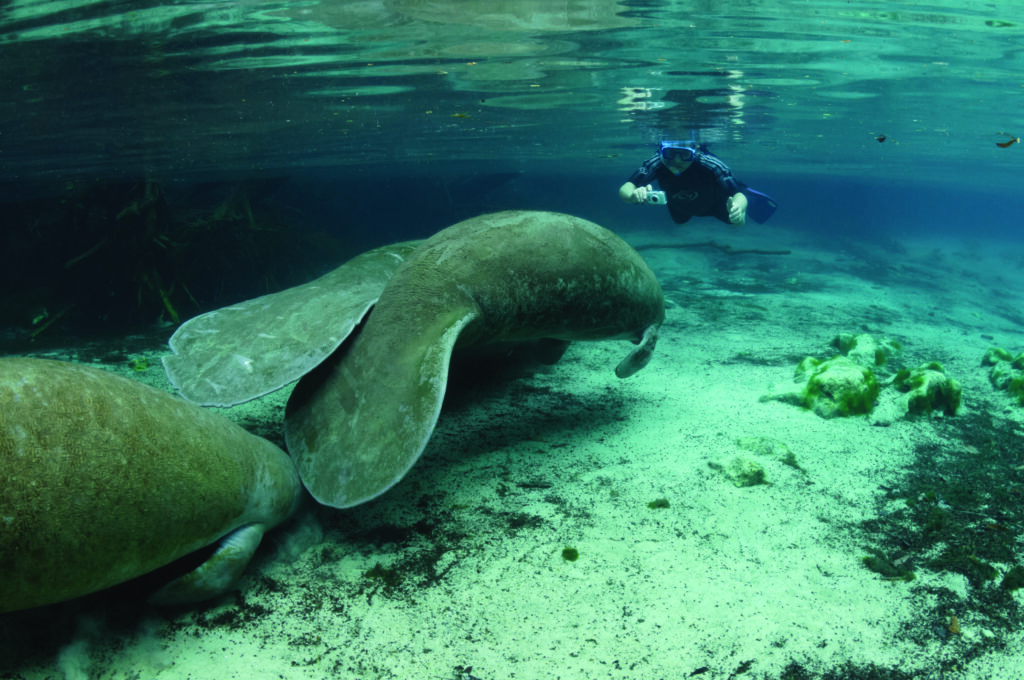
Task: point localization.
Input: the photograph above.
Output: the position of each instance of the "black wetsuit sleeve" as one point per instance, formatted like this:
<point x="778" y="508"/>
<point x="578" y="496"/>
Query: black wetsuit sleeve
<point x="727" y="185"/>
<point x="645" y="173"/>
<point x="723" y="174"/>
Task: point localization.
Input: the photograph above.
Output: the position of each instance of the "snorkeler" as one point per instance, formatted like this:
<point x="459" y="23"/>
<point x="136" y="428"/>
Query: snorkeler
<point x="694" y="181"/>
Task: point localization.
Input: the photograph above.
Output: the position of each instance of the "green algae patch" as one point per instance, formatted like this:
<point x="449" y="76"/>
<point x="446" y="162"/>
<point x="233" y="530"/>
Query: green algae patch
<point x="743" y="472"/>
<point x="878" y="562"/>
<point x="929" y="389"/>
<point x="1006" y="372"/>
<point x="865" y="349"/>
<point x="838" y="387"/>
<point x="863" y="380"/>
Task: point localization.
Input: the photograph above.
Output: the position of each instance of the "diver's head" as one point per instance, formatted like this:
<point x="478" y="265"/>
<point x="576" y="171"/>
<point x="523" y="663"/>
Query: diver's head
<point x="677" y="156"/>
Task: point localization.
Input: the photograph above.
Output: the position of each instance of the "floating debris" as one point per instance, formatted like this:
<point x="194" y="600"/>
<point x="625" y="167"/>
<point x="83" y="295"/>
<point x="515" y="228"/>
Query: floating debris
<point x="1007" y="144"/>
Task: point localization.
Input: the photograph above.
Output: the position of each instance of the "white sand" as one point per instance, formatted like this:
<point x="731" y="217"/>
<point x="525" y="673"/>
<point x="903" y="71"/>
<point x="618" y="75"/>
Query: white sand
<point x="769" y="574"/>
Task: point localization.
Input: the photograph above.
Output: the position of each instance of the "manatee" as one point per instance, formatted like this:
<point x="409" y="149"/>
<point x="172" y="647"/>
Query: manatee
<point x="243" y="351"/>
<point x="357" y="423"/>
<point x="103" y="479"/>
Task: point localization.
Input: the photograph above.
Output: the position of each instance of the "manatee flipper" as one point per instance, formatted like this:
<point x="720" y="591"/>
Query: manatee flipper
<point x="389" y="389"/>
<point x="217" y="574"/>
<point x="243" y="351"/>
<point x="356" y="425"/>
<point x="640" y="356"/>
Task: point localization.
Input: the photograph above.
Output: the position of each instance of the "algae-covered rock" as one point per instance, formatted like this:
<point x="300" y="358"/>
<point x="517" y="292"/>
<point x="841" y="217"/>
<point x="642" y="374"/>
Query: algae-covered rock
<point x="831" y="388"/>
<point x="847" y="385"/>
<point x="995" y="356"/>
<point x="1002" y="374"/>
<point x="865" y="349"/>
<point x="764" y="446"/>
<point x="743" y="471"/>
<point x="929" y="389"/>
<point x="773" y="448"/>
<point x="837" y="387"/>
<point x="1007" y="372"/>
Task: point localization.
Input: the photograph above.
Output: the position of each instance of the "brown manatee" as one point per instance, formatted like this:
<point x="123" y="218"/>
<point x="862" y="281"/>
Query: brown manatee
<point x="358" y="422"/>
<point x="243" y="351"/>
<point x="103" y="479"/>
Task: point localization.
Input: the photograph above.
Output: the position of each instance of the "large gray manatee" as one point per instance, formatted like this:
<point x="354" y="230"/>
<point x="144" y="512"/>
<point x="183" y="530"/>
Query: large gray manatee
<point x="103" y="479"/>
<point x="357" y="423"/>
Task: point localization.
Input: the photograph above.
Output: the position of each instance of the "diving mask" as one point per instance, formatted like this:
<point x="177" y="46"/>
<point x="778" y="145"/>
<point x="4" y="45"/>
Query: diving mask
<point x="677" y="152"/>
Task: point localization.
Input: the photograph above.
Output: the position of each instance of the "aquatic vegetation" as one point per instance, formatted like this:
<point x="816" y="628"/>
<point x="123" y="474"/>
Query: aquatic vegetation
<point x="518" y="521"/>
<point x="126" y="255"/>
<point x="961" y="513"/>
<point x="658" y="503"/>
<point x="138" y="363"/>
<point x="878" y="562"/>
<point x="389" y="577"/>
<point x="1013" y="579"/>
<point x="963" y="561"/>
<point x="570" y="554"/>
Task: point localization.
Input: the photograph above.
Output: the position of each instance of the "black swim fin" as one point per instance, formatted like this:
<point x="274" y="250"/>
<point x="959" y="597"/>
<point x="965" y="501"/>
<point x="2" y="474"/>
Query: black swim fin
<point x="759" y="206"/>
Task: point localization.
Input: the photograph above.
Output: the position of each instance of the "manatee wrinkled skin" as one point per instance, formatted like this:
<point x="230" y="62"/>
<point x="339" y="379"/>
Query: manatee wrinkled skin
<point x="249" y="349"/>
<point x="103" y="479"/>
<point x="358" y="422"/>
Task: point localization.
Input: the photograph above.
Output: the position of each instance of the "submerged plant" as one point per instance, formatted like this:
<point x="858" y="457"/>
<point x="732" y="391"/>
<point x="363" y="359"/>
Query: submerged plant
<point x="126" y="254"/>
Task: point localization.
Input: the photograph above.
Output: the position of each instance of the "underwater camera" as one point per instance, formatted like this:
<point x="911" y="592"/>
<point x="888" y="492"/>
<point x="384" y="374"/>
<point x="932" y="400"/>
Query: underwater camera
<point x="655" y="198"/>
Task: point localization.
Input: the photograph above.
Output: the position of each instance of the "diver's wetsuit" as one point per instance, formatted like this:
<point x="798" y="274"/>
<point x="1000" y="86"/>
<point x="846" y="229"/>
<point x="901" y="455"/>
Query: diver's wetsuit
<point x="702" y="189"/>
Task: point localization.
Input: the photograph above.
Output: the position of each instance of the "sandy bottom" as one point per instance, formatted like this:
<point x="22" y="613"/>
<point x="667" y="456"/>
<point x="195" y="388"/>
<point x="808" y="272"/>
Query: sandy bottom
<point x="458" y="572"/>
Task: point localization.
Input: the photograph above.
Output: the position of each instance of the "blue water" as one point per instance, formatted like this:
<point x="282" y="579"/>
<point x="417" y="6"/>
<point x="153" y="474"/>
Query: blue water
<point x="383" y="121"/>
<point x="199" y="90"/>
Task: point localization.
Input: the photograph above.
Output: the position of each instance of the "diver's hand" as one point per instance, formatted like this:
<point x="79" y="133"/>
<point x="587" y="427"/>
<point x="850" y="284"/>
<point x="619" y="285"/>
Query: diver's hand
<point x="631" y="193"/>
<point x="640" y="194"/>
<point x="737" y="207"/>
